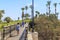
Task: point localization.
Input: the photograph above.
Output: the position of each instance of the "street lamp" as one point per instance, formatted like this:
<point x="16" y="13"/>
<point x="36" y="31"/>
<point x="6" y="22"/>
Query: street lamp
<point x="33" y="10"/>
<point x="33" y="15"/>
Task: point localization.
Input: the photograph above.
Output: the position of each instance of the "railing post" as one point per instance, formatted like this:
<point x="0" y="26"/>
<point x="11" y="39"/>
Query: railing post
<point x="3" y="33"/>
<point x="10" y="31"/>
<point x="26" y="33"/>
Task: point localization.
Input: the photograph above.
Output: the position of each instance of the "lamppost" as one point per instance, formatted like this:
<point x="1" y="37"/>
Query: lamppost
<point x="33" y="15"/>
<point x="33" y="10"/>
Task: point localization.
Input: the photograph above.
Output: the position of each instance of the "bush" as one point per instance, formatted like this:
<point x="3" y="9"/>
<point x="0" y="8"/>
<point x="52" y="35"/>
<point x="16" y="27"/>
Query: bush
<point x="45" y="25"/>
<point x="0" y="21"/>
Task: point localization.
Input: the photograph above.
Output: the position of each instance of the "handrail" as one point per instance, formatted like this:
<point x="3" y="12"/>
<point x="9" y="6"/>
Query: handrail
<point x="22" y="37"/>
<point x="7" y="31"/>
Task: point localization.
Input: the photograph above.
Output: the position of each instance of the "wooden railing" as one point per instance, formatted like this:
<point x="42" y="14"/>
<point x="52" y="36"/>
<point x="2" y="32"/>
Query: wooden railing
<point x="6" y="32"/>
<point x="23" y="35"/>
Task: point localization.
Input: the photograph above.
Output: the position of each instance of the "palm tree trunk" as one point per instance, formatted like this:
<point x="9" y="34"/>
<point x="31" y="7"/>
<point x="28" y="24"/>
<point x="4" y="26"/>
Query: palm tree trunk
<point x="55" y="10"/>
<point x="22" y="19"/>
<point x="22" y="15"/>
<point x="26" y="13"/>
<point x="49" y="9"/>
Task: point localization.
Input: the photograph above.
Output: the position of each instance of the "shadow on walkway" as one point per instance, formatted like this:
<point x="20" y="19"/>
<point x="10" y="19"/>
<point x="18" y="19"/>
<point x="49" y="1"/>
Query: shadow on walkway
<point x="14" y="35"/>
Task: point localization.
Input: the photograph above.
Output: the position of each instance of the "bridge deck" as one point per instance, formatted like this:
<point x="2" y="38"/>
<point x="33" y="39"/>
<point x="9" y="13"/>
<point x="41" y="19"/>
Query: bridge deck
<point x="14" y="34"/>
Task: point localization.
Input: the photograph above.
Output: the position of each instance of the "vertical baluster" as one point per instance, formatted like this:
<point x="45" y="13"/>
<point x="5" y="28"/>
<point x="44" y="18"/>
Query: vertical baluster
<point x="3" y="33"/>
<point x="10" y="32"/>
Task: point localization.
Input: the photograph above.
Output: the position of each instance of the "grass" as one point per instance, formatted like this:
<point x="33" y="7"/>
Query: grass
<point x="6" y="24"/>
<point x="11" y="23"/>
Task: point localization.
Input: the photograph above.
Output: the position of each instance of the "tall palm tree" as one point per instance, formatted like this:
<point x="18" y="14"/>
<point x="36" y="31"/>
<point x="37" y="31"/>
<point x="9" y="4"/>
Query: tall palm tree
<point x="31" y="7"/>
<point x="48" y="3"/>
<point x="46" y="9"/>
<point x="18" y="18"/>
<point x="26" y="8"/>
<point x="1" y="13"/>
<point x="55" y="5"/>
<point x="37" y="13"/>
<point x="22" y="13"/>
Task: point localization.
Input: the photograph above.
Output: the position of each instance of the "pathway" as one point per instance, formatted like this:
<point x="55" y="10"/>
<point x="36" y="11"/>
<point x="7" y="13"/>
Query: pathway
<point x="14" y="34"/>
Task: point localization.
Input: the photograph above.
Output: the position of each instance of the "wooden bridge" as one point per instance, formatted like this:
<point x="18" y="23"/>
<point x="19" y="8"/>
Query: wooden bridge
<point x="10" y="34"/>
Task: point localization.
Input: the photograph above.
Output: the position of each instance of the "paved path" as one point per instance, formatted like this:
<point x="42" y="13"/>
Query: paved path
<point x="14" y="34"/>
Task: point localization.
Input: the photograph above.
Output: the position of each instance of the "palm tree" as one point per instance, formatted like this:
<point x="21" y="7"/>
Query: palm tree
<point x="26" y="8"/>
<point x="1" y="13"/>
<point x="31" y="6"/>
<point x="57" y="14"/>
<point x="55" y="5"/>
<point x="37" y="13"/>
<point x="46" y="9"/>
<point x="48" y="4"/>
<point x="18" y="18"/>
<point x="22" y="13"/>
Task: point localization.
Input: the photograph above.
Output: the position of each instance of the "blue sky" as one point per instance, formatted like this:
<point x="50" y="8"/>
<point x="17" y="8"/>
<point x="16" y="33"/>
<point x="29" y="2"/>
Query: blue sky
<point x="13" y="7"/>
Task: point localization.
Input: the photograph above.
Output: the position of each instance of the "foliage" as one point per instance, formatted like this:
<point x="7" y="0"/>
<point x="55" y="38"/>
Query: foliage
<point x="31" y="6"/>
<point x="7" y="19"/>
<point x="22" y="13"/>
<point x="37" y="14"/>
<point x="48" y="2"/>
<point x="1" y="13"/>
<point x="26" y="16"/>
<point x="26" y="7"/>
<point x="18" y="18"/>
<point x="22" y="9"/>
<point x="0" y="21"/>
<point x="48" y="5"/>
<point x="45" y="26"/>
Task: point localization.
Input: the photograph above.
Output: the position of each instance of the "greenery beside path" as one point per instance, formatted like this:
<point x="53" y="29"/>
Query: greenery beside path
<point x="47" y="26"/>
<point x="11" y="23"/>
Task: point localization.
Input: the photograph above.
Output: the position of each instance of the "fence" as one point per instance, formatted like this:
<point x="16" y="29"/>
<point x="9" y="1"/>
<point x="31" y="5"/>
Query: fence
<point x="6" y="32"/>
<point x="24" y="35"/>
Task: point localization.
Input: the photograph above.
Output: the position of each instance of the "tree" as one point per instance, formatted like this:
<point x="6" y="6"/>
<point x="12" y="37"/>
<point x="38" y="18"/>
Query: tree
<point x="1" y="13"/>
<point x="26" y="16"/>
<point x="7" y="19"/>
<point x="22" y="13"/>
<point x="57" y="14"/>
<point x="37" y="13"/>
<point x="46" y="10"/>
<point x="55" y="5"/>
<point x="48" y="4"/>
<point x="26" y="8"/>
<point x="18" y="18"/>
<point x="47" y="13"/>
<point x="31" y="7"/>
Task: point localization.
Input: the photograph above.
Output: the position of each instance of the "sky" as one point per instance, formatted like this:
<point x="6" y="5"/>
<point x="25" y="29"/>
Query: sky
<point x="13" y="7"/>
